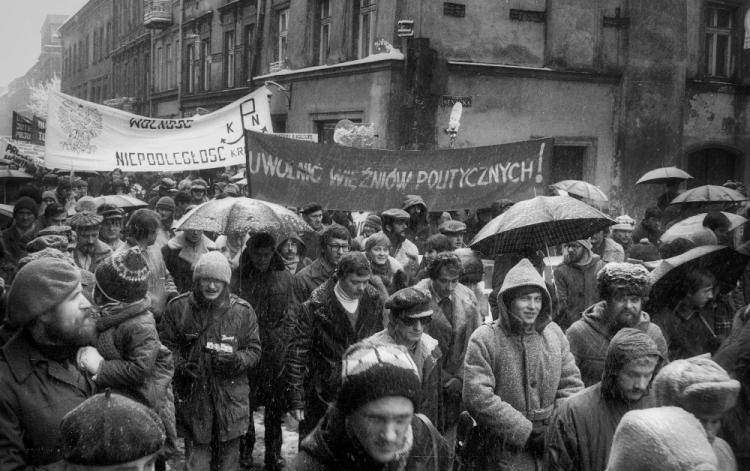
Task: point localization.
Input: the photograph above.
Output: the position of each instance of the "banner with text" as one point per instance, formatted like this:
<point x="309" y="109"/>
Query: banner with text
<point x="86" y="136"/>
<point x="294" y="173"/>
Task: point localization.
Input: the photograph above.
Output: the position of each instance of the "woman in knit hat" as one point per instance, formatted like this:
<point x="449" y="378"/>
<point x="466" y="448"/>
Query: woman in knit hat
<point x="213" y="335"/>
<point x="372" y="424"/>
<point x="129" y="357"/>
<point x="703" y="388"/>
<point x="386" y="268"/>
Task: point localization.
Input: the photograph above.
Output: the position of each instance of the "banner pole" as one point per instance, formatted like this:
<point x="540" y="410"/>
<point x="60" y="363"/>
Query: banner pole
<point x="248" y="188"/>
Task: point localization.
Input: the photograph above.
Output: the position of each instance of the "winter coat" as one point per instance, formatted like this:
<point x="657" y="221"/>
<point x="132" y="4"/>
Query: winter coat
<point x="609" y="251"/>
<point x="330" y="447"/>
<point x="407" y="255"/>
<point x="690" y="332"/>
<point x="312" y="244"/>
<point x="453" y="336"/>
<point x="35" y="393"/>
<point x="318" y="337"/>
<point x="101" y="251"/>
<point x="271" y="295"/>
<point x="582" y="430"/>
<point x="391" y="274"/>
<point x="14" y="244"/>
<point x="190" y="327"/>
<point x="180" y="259"/>
<point x="428" y="358"/>
<point x="514" y="378"/>
<point x="642" y="232"/>
<point x="576" y="289"/>
<point x="310" y="277"/>
<point x="589" y="339"/>
<point x="418" y="231"/>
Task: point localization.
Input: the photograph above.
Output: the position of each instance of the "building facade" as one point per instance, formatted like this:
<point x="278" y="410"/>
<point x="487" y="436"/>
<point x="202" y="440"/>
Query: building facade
<point x="622" y="86"/>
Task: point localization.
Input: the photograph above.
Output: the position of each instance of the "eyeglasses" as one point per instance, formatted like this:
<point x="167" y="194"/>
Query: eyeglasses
<point x="341" y="247"/>
<point x="410" y="321"/>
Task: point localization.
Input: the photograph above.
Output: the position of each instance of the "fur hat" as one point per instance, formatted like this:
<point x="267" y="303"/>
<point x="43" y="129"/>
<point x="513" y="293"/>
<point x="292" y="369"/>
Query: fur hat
<point x="369" y="372"/>
<point x="698" y="385"/>
<point x="409" y="302"/>
<point x="86" y="203"/>
<point x="84" y="220"/>
<point x="39" y="286"/>
<point x="627" y="344"/>
<point x="166" y="202"/>
<point x="25" y="202"/>
<point x="109" y="429"/>
<point x="661" y="438"/>
<point x="213" y="265"/>
<point x="626" y="277"/>
<point x="123" y="277"/>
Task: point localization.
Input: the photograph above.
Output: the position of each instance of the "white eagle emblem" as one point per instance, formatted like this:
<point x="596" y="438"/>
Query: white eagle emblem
<point x="81" y="124"/>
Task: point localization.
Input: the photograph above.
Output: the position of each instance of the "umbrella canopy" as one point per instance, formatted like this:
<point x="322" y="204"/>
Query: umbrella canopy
<point x="242" y="214"/>
<point x="581" y="188"/>
<point x="121" y="201"/>
<point x="540" y="222"/>
<point x="724" y="262"/>
<point x="690" y="225"/>
<point x="663" y="175"/>
<point x="9" y="174"/>
<point x="708" y="193"/>
<point x="6" y="210"/>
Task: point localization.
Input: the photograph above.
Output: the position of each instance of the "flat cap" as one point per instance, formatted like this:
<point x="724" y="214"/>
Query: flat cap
<point x="395" y="214"/>
<point x="452" y="227"/>
<point x="110" y="211"/>
<point x="409" y="302"/>
<point x="85" y="219"/>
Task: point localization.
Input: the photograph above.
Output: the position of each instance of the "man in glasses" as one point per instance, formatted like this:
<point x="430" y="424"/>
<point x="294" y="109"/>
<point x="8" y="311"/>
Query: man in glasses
<point x="410" y="314"/>
<point x="334" y="243"/>
<point x="342" y="311"/>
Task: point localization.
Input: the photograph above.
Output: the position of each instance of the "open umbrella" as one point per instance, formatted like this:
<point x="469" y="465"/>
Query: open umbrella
<point x="121" y="201"/>
<point x="709" y="193"/>
<point x="540" y="222"/>
<point x="7" y="174"/>
<point x="663" y="175"/>
<point x="581" y="188"/>
<point x="690" y="225"/>
<point x="242" y="214"/>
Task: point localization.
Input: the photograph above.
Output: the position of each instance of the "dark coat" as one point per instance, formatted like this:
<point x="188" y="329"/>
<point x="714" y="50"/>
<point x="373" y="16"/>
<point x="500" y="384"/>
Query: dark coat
<point x="187" y="328"/>
<point x="318" y="338"/>
<point x="310" y="277"/>
<point x="330" y="447"/>
<point x="181" y="270"/>
<point x="14" y="245"/>
<point x="35" y="393"/>
<point x="691" y="332"/>
<point x="576" y="289"/>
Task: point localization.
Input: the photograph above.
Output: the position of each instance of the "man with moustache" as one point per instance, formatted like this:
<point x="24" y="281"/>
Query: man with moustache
<point x="334" y="242"/>
<point x="582" y="429"/>
<point x="622" y="288"/>
<point x="575" y="280"/>
<point x="395" y="223"/>
<point x="165" y="207"/>
<point x="41" y="380"/>
<point x="214" y="338"/>
<point x="312" y="213"/>
<point x="89" y="251"/>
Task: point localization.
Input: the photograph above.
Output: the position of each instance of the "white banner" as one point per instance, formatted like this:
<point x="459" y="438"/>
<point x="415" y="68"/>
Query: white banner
<point x="86" y="136"/>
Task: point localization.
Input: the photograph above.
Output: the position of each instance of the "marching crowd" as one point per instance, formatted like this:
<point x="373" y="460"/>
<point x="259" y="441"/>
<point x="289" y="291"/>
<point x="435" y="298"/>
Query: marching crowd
<point x="126" y="340"/>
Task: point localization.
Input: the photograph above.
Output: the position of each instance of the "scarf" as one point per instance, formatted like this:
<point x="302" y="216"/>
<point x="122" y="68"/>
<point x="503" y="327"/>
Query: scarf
<point x="350" y="304"/>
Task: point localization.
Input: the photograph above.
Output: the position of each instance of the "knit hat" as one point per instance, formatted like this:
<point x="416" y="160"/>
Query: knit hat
<point x="198" y="184"/>
<point x="627" y="344"/>
<point x="84" y="220"/>
<point x="624" y="223"/>
<point x="370" y="372"/>
<point x="49" y="195"/>
<point x="123" y="277"/>
<point x="166" y="202"/>
<point x="110" y="211"/>
<point x="86" y="203"/>
<point x="373" y="221"/>
<point x="644" y="251"/>
<point x="38" y="287"/>
<point x="626" y="277"/>
<point x="698" y="385"/>
<point x="25" y="202"/>
<point x="410" y="302"/>
<point x="58" y="242"/>
<point x="311" y="208"/>
<point x="661" y="438"/>
<point x="108" y="429"/>
<point x="213" y="265"/>
<point x="452" y="227"/>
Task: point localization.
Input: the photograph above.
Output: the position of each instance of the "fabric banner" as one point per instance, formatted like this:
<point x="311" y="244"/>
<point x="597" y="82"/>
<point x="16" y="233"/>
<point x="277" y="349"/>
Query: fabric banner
<point x="86" y="136"/>
<point x="295" y="173"/>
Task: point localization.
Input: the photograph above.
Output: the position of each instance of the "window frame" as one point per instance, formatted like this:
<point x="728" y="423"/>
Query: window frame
<point x="229" y="65"/>
<point x="324" y="31"/>
<point x="282" y="33"/>
<point x="710" y="37"/>
<point x="368" y="11"/>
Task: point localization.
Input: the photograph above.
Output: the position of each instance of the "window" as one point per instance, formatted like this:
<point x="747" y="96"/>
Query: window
<point x="191" y="68"/>
<point x="283" y="31"/>
<point x="170" y="67"/>
<point x="567" y="163"/>
<point x="324" y="17"/>
<point x="720" y="38"/>
<point x="368" y="14"/>
<point x="229" y="59"/>
<point x="206" y="59"/>
<point x="160" y="72"/>
<point x="249" y="50"/>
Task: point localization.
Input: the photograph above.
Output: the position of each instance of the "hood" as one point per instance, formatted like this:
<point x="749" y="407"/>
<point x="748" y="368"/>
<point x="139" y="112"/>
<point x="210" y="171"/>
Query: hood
<point x="523" y="274"/>
<point x="411" y="200"/>
<point x="301" y="251"/>
<point x="595" y="317"/>
<point x="628" y="344"/>
<point x="593" y="260"/>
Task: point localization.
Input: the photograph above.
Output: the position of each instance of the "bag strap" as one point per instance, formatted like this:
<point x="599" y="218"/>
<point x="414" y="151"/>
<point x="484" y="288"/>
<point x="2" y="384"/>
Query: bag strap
<point x="433" y="434"/>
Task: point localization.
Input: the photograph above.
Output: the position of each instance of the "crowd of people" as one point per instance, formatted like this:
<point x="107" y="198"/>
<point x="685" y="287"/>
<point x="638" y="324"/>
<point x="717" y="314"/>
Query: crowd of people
<point x="127" y="341"/>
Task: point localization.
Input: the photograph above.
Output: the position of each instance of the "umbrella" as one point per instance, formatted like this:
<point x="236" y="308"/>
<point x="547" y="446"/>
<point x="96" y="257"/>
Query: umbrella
<point x="663" y="175"/>
<point x="538" y="223"/>
<point x="121" y="201"/>
<point x="581" y="188"/>
<point x="724" y="262"/>
<point x="690" y="225"/>
<point x="242" y="214"/>
<point x="6" y="210"/>
<point x="709" y="193"/>
<point x="9" y="174"/>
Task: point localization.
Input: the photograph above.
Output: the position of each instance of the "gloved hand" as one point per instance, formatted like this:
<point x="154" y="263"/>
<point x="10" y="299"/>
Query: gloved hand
<point x="536" y="443"/>
<point x="453" y="387"/>
<point x="191" y="370"/>
<point x="89" y="359"/>
<point x="224" y="363"/>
